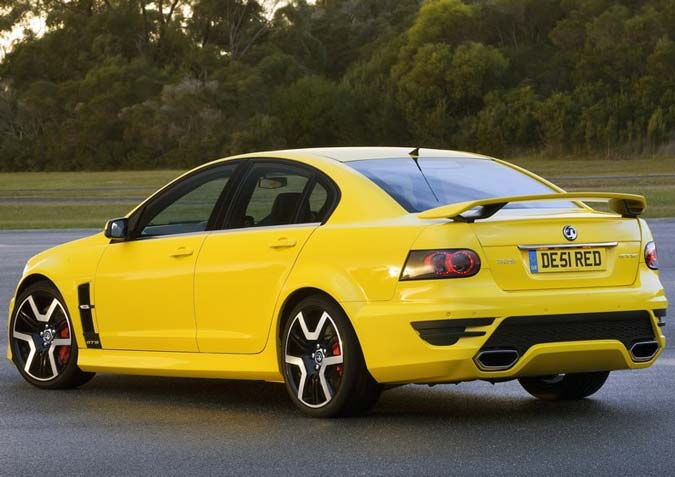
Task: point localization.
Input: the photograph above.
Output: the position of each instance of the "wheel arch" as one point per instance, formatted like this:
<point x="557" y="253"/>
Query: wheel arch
<point x="32" y="279"/>
<point x="289" y="303"/>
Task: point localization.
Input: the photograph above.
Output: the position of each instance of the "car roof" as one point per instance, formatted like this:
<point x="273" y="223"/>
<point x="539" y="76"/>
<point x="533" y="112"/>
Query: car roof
<point x="347" y="154"/>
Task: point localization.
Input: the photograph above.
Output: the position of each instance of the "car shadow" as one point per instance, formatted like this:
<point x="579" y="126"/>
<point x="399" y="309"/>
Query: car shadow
<point x="204" y="399"/>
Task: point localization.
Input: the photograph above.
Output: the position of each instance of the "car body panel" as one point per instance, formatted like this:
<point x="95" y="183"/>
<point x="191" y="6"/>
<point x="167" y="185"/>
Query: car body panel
<point x="238" y="277"/>
<point x="361" y="262"/>
<point x="507" y="249"/>
<point x="355" y="257"/>
<point x="414" y="360"/>
<point x="143" y="294"/>
<point x="262" y="366"/>
<point x="67" y="266"/>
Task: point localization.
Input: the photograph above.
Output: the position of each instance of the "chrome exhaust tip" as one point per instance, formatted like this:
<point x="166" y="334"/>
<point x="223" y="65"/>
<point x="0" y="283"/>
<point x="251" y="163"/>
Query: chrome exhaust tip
<point x="643" y="350"/>
<point x="496" y="359"/>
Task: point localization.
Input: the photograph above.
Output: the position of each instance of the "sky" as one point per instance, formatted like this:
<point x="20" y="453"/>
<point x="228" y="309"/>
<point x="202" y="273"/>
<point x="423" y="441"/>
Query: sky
<point x="37" y="24"/>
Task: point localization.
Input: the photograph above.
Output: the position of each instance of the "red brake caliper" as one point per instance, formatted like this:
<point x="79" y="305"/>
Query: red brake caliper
<point x="64" y="351"/>
<point x="337" y="352"/>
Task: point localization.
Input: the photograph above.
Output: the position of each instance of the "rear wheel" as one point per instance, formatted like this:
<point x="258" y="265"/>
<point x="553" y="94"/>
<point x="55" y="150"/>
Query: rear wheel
<point x="44" y="349"/>
<point x="564" y="387"/>
<point x="322" y="362"/>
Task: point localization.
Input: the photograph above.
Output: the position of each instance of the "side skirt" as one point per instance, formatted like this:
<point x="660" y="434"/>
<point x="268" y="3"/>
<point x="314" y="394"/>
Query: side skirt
<point x="259" y="367"/>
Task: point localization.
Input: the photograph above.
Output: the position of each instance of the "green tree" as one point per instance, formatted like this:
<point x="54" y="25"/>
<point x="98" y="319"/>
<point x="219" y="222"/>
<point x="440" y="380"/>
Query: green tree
<point x="172" y="83"/>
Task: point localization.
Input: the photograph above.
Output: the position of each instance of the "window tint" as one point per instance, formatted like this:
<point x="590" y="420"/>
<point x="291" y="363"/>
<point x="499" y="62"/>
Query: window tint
<point x="273" y="195"/>
<point x="451" y="180"/>
<point x="318" y="203"/>
<point x="187" y="207"/>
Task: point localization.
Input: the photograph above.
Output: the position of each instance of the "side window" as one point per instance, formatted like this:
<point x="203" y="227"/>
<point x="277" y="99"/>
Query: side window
<point x="188" y="206"/>
<point x="273" y="195"/>
<point x="318" y="203"/>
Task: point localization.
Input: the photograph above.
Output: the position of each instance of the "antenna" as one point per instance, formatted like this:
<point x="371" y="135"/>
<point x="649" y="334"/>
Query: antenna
<point x="414" y="155"/>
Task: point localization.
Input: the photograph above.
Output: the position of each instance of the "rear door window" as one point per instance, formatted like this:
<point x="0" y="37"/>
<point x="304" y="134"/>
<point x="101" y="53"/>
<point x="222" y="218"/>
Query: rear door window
<point x="273" y="194"/>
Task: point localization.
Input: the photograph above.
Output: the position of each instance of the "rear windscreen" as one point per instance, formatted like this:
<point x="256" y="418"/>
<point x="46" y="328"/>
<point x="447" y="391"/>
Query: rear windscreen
<point x="441" y="181"/>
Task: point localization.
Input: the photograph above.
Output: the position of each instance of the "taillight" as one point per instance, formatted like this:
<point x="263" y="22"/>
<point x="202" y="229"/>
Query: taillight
<point x="650" y="256"/>
<point x="444" y="263"/>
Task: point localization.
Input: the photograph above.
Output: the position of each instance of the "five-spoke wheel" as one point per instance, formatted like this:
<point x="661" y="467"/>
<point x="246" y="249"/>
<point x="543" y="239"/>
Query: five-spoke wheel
<point x="41" y="338"/>
<point x="313" y="354"/>
<point x="323" y="366"/>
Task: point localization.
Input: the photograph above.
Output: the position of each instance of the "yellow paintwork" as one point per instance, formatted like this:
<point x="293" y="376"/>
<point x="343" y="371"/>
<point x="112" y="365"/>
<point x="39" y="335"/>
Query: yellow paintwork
<point x="412" y="359"/>
<point x="456" y="210"/>
<point x="229" y="292"/>
<point x="497" y="243"/>
<point x="215" y="312"/>
<point x="143" y="294"/>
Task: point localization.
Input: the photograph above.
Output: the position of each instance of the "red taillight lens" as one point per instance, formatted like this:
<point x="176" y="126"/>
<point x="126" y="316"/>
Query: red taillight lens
<point x="445" y="263"/>
<point x="650" y="256"/>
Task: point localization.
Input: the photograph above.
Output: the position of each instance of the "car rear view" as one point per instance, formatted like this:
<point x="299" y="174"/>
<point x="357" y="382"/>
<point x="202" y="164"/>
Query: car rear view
<point x="513" y="278"/>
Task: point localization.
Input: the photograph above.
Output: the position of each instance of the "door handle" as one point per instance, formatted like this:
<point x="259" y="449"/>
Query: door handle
<point x="283" y="242"/>
<point x="182" y="252"/>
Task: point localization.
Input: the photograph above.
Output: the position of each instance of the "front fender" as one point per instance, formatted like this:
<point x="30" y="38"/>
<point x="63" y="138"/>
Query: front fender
<point x="65" y="266"/>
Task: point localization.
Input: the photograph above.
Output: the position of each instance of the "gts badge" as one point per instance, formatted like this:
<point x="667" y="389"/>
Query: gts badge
<point x="92" y="340"/>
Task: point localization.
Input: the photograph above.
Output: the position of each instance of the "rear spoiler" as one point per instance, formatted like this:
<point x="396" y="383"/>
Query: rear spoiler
<point x="626" y="205"/>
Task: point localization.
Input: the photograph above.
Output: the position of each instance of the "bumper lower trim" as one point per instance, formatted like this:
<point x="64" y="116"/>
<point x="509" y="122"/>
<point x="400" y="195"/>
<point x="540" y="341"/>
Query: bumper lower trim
<point x="520" y="333"/>
<point x="449" y="332"/>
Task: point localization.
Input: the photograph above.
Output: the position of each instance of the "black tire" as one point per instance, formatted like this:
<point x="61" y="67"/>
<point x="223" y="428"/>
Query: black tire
<point x="36" y="351"/>
<point x="564" y="387"/>
<point x="351" y="388"/>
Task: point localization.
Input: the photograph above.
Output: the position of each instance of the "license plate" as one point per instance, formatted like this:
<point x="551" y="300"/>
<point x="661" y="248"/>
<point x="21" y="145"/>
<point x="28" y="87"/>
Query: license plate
<point x="567" y="260"/>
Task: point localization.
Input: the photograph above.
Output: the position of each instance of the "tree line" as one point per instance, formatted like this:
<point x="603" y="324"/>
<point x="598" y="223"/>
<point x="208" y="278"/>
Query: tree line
<point x="138" y="84"/>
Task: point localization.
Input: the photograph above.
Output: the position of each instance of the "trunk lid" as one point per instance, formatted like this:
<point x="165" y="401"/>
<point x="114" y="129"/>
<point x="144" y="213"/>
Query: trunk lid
<point x="527" y="249"/>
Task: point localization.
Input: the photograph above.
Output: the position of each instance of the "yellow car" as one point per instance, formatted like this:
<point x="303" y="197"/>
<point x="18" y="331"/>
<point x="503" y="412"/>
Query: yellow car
<point x="345" y="271"/>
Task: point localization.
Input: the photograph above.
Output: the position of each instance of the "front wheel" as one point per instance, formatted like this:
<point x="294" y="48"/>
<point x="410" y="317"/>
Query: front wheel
<point x="322" y="362"/>
<point x="44" y="349"/>
<point x="564" y="387"/>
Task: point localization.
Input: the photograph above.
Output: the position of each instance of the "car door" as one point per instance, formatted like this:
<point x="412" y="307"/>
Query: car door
<point x="144" y="286"/>
<point x="240" y="270"/>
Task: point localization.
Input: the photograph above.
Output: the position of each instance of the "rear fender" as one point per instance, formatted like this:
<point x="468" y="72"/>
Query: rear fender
<point x="446" y="234"/>
<point x="356" y="262"/>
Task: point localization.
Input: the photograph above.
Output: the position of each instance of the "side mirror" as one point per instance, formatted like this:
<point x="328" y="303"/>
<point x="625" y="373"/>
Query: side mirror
<point x="117" y="229"/>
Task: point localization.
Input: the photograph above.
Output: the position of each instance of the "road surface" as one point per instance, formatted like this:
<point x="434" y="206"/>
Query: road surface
<point x="132" y="425"/>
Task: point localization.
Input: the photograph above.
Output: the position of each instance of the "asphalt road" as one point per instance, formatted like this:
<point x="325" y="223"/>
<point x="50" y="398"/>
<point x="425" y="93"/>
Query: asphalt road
<point x="132" y="425"/>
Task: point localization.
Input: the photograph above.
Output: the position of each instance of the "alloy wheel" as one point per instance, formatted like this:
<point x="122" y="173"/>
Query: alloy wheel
<point x="42" y="337"/>
<point x="313" y="357"/>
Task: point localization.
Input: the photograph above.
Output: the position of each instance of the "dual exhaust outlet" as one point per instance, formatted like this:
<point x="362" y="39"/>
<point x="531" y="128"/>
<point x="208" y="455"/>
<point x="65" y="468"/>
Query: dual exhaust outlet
<point x="496" y="359"/>
<point x="503" y="359"/>
<point x="643" y="350"/>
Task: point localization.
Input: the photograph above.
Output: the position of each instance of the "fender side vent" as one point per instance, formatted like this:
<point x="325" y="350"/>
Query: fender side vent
<point x="91" y="338"/>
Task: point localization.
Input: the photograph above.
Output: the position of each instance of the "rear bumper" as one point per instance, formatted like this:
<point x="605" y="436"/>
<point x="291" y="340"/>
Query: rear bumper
<point x="396" y="353"/>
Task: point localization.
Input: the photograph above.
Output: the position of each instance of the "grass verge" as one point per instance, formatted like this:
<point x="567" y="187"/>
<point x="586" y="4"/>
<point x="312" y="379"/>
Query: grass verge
<point x="31" y="200"/>
<point x="652" y="177"/>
